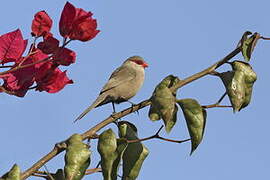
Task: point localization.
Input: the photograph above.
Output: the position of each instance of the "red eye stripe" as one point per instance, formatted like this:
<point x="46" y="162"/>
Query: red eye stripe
<point x="140" y="62"/>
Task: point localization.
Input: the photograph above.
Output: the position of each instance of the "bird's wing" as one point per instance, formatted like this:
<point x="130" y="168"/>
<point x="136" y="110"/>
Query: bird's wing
<point x="119" y="76"/>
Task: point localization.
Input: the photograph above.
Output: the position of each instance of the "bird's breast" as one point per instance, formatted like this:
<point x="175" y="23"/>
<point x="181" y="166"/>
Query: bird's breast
<point x="129" y="89"/>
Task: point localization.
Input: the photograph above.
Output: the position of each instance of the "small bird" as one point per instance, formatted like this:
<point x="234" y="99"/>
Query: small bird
<point x="123" y="84"/>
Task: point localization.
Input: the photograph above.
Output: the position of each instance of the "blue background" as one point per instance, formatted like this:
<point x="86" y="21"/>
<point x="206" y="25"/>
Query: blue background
<point x="174" y="37"/>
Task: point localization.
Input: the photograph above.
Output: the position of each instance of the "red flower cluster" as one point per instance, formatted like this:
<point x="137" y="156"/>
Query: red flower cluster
<point x="39" y="69"/>
<point x="77" y="24"/>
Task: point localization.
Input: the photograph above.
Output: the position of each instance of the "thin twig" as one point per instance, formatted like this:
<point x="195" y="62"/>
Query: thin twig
<point x="66" y="43"/>
<point x="221" y="98"/>
<point x="6" y="66"/>
<point x="265" y="38"/>
<point x="91" y="171"/>
<point x="98" y="164"/>
<point x="25" y="66"/>
<point x="38" y="175"/>
<point x="159" y="130"/>
<point x="217" y="103"/>
<point x="33" y="87"/>
<point x="2" y="89"/>
<point x="171" y="140"/>
<point x="45" y="174"/>
<point x="157" y="136"/>
<point x="15" y="68"/>
<point x="30" y="52"/>
<point x="48" y="173"/>
<point x="214" y="73"/>
<point x="41" y="172"/>
<point x="91" y="132"/>
<point x="206" y="71"/>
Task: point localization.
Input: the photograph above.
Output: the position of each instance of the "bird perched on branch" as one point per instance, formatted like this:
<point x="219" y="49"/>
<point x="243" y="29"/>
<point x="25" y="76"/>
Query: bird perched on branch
<point x="123" y="84"/>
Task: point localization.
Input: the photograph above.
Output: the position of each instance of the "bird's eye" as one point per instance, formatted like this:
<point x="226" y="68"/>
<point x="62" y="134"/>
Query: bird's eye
<point x="139" y="62"/>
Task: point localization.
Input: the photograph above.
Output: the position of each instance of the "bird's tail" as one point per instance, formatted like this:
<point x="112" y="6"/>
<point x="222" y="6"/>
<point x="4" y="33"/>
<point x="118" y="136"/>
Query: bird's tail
<point x="96" y="103"/>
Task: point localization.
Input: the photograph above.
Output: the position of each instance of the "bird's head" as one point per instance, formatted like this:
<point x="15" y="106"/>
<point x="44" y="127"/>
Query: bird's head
<point x="137" y="60"/>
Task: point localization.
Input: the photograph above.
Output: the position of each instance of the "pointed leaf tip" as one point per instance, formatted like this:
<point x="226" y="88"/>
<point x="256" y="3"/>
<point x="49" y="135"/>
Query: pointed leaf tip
<point x="13" y="174"/>
<point x="248" y="44"/>
<point x="195" y="117"/>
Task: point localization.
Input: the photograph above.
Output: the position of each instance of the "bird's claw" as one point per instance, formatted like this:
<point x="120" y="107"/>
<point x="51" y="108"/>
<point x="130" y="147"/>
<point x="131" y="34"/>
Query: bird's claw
<point x="115" y="122"/>
<point x="115" y="118"/>
<point x="137" y="112"/>
<point x="132" y="106"/>
<point x="113" y="115"/>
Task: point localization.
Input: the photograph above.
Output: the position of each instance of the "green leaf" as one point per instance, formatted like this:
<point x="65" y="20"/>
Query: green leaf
<point x="248" y="44"/>
<point x="163" y="103"/>
<point x="135" y="153"/>
<point x="111" y="151"/>
<point x="13" y="174"/>
<point x="195" y="117"/>
<point x="77" y="158"/>
<point x="249" y="77"/>
<point x="239" y="84"/>
<point x="234" y="82"/>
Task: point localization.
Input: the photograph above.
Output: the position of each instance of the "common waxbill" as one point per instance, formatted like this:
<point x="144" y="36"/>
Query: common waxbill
<point x="122" y="85"/>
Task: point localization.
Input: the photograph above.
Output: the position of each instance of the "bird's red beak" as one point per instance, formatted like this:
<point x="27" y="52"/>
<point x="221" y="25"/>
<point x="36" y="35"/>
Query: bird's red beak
<point x="144" y="65"/>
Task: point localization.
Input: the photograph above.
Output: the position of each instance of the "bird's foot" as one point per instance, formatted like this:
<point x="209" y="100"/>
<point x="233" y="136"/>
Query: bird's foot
<point x="115" y="122"/>
<point x="113" y="115"/>
<point x="115" y="118"/>
<point x="132" y="106"/>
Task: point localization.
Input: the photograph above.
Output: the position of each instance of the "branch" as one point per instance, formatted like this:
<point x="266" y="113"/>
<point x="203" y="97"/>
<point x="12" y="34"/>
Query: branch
<point x="39" y="175"/>
<point x="25" y="66"/>
<point x="217" y="103"/>
<point x="30" y="51"/>
<point x="20" y="66"/>
<point x="45" y="174"/>
<point x="92" y="131"/>
<point x="33" y="87"/>
<point x="265" y="38"/>
<point x="222" y="97"/>
<point x="58" y="148"/>
<point x="93" y="170"/>
<point x="157" y="137"/>
<point x="2" y="89"/>
<point x="206" y="71"/>
<point x="41" y="172"/>
<point x="6" y="66"/>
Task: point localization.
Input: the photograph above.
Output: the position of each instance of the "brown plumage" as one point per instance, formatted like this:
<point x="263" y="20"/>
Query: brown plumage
<point x="123" y="84"/>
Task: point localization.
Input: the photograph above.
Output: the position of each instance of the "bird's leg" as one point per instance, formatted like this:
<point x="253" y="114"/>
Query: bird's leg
<point x="113" y="108"/>
<point x="116" y="120"/>
<point x="132" y="105"/>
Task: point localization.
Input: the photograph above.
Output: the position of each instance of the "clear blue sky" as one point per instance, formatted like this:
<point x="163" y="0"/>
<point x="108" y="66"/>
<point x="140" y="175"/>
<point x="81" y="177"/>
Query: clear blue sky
<point x="175" y="37"/>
